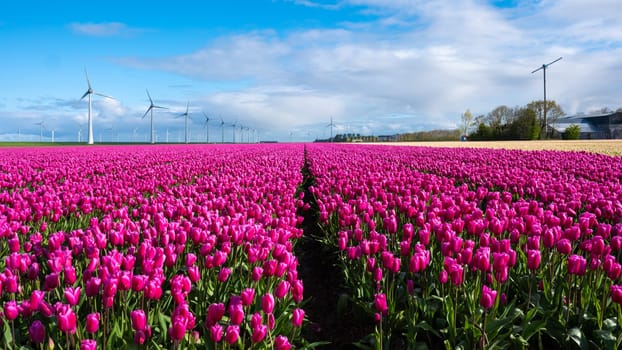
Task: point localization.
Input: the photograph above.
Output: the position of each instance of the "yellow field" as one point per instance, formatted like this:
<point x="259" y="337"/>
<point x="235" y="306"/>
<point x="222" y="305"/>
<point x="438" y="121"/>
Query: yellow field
<point x="610" y="147"/>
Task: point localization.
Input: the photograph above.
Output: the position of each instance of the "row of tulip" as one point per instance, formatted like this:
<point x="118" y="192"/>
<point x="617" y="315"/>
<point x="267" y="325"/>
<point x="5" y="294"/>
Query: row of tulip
<point x="152" y="247"/>
<point x="476" y="248"/>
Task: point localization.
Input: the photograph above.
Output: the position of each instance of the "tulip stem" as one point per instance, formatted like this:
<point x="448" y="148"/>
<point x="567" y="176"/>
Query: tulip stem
<point x="12" y="334"/>
<point x="529" y="288"/>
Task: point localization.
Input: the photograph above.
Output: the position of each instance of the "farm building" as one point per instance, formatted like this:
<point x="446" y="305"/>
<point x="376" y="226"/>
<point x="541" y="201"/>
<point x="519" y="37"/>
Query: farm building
<point x="593" y="126"/>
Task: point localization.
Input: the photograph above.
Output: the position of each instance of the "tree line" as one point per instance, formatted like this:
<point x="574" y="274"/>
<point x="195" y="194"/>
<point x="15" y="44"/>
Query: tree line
<point x="507" y="123"/>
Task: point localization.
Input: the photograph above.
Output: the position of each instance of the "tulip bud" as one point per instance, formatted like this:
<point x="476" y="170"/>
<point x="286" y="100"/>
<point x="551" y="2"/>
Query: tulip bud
<point x="267" y="303"/>
<point x="216" y="332"/>
<point x="380" y="302"/>
<point x="298" y="316"/>
<point x="259" y="333"/>
<point x="616" y="294"/>
<point x="232" y="334"/>
<point x="88" y="344"/>
<point x="282" y="343"/>
<point x="92" y="322"/>
<point x="488" y="297"/>
<point x="248" y="296"/>
<point x="37" y="332"/>
<point x="139" y="320"/>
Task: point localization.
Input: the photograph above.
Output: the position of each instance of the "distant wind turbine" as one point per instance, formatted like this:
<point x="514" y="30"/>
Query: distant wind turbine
<point x="233" y="130"/>
<point x="222" y="130"/>
<point x="186" y="117"/>
<point x="543" y="68"/>
<point x="331" y="125"/>
<point x="206" y="128"/>
<point x="88" y="93"/>
<point x="41" y="127"/>
<point x="150" y="109"/>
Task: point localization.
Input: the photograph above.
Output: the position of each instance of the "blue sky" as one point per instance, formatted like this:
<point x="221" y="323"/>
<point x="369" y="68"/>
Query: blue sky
<point x="286" y="67"/>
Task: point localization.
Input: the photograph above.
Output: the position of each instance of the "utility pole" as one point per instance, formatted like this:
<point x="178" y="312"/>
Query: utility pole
<point x="543" y="68"/>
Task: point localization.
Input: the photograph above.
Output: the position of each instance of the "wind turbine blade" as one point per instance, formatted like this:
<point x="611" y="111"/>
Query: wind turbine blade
<point x="187" y="106"/>
<point x="85" y="94"/>
<point x="154" y="106"/>
<point x="147" y="112"/>
<point x="86" y="74"/>
<point x="554" y="61"/>
<point x="106" y="96"/>
<point x="538" y="69"/>
<point x="150" y="100"/>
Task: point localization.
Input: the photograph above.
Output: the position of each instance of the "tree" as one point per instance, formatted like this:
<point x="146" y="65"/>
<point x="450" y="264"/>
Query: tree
<point x="500" y="116"/>
<point x="466" y="122"/>
<point x="572" y="132"/>
<point x="553" y="111"/>
<point x="525" y="126"/>
<point x="483" y="133"/>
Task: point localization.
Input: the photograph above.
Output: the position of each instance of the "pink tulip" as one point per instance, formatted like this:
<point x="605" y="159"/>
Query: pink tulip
<point x="248" y="296"/>
<point x="88" y="344"/>
<point x="92" y="322"/>
<point x="216" y="333"/>
<point x="380" y="302"/>
<point x="214" y="313"/>
<point x="259" y="333"/>
<point x="67" y="320"/>
<point x="488" y="297"/>
<point x="616" y="293"/>
<point x="37" y="332"/>
<point x="533" y="259"/>
<point x="281" y="289"/>
<point x="267" y="303"/>
<point x="232" y="334"/>
<point x="139" y="320"/>
<point x="236" y="314"/>
<point x="140" y="337"/>
<point x="577" y="265"/>
<point x="72" y="295"/>
<point x="282" y="343"/>
<point x="298" y="316"/>
<point x="10" y="310"/>
<point x="224" y="274"/>
<point x="256" y="320"/>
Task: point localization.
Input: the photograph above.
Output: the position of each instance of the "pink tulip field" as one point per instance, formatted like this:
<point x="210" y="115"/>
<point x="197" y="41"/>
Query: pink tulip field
<point x="198" y="247"/>
<point x="476" y="248"/>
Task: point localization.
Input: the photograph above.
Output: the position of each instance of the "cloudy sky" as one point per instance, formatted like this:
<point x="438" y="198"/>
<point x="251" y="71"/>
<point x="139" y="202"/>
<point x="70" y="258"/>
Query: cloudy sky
<point x="285" y="67"/>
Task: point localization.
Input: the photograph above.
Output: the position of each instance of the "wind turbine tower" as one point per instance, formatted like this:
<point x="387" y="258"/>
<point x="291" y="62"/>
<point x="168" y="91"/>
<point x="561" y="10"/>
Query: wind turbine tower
<point x="222" y="130"/>
<point x="186" y="117"/>
<point x="206" y="128"/>
<point x="152" y="106"/>
<point x="88" y="93"/>
<point x="543" y="68"/>
<point x="331" y="125"/>
<point x="41" y="127"/>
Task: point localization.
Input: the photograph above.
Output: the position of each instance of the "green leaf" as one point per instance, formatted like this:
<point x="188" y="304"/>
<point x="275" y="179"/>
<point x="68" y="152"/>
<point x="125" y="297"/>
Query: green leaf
<point x="533" y="328"/>
<point x="610" y="323"/>
<point x="8" y="335"/>
<point x="577" y="336"/>
<point x="607" y="338"/>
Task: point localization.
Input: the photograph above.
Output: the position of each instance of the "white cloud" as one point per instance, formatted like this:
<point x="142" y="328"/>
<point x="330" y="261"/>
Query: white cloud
<point x="423" y="62"/>
<point x="102" y="29"/>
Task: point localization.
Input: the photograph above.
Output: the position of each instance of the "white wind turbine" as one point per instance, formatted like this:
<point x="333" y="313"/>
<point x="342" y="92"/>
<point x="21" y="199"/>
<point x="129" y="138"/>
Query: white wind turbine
<point x="331" y="125"/>
<point x="186" y="115"/>
<point x="150" y="109"/>
<point x="222" y="130"/>
<point x="41" y="127"/>
<point x="233" y="130"/>
<point x="206" y="128"/>
<point x="88" y="93"/>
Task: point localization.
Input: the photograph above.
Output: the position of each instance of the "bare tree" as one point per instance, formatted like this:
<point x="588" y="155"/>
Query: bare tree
<point x="466" y="122"/>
